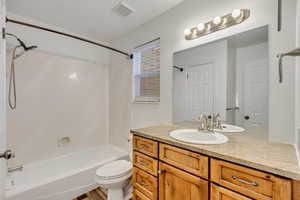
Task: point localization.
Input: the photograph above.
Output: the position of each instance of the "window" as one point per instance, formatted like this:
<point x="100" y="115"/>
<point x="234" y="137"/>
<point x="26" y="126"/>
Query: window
<point x="146" y="72"/>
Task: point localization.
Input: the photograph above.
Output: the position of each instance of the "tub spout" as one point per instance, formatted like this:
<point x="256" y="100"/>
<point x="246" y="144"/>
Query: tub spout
<point x="14" y="169"/>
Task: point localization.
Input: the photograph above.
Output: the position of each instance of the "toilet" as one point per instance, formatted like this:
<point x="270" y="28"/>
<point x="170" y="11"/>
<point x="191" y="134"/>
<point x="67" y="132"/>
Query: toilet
<point x="115" y="177"/>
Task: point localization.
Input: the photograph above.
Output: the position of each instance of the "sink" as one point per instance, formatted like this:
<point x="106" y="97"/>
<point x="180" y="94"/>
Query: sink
<point x="195" y="136"/>
<point x="228" y="128"/>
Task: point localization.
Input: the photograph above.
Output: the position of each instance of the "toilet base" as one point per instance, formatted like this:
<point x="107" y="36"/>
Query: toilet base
<point x="115" y="194"/>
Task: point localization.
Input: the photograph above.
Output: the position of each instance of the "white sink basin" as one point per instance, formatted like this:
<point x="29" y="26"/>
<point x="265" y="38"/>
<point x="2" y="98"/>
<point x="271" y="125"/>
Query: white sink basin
<point x="228" y="128"/>
<point x="198" y="137"/>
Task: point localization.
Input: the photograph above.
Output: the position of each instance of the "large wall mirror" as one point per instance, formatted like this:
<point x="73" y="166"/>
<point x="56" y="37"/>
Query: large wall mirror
<point x="229" y="77"/>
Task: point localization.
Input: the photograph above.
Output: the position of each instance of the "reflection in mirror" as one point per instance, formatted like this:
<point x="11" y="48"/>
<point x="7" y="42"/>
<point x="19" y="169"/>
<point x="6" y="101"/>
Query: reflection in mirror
<point x="227" y="77"/>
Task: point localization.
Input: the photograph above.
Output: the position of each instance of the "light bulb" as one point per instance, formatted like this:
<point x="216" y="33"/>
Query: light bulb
<point x="201" y="27"/>
<point x="187" y="32"/>
<point x="217" y="20"/>
<point x="236" y="13"/>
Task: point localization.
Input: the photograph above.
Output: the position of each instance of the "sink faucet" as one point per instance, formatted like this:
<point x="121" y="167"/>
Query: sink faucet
<point x="210" y="123"/>
<point x="14" y="169"/>
<point x="203" y="119"/>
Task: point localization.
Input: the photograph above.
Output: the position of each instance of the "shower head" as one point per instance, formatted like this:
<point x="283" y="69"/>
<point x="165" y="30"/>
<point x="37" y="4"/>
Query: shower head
<point x="30" y="48"/>
<point x="22" y="44"/>
<point x="24" y="51"/>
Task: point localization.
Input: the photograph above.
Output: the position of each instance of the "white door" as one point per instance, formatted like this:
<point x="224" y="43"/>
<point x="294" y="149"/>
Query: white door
<point x="255" y="98"/>
<point x="200" y="90"/>
<point x="2" y="102"/>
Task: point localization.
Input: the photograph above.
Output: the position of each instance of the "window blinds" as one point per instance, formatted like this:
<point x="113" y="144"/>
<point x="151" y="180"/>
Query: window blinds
<point x="147" y="73"/>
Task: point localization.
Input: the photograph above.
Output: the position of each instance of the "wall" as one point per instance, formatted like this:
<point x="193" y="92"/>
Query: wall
<point x="169" y="27"/>
<point x="215" y="53"/>
<point x="298" y="83"/>
<point x="62" y="90"/>
<point x="2" y="102"/>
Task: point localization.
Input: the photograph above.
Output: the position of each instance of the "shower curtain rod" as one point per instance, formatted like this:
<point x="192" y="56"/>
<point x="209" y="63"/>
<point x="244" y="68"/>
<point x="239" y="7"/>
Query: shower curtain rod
<point x="69" y="35"/>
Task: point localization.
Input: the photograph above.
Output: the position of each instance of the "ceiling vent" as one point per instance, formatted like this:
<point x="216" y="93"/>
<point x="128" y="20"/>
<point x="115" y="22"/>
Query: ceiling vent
<point x="122" y="10"/>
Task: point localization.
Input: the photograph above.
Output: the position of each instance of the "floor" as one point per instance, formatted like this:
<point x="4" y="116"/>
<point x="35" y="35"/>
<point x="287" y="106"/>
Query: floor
<point x="97" y="194"/>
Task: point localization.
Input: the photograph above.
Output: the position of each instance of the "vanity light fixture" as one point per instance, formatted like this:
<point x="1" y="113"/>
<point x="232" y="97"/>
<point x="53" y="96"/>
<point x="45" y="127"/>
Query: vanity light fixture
<point x="218" y="23"/>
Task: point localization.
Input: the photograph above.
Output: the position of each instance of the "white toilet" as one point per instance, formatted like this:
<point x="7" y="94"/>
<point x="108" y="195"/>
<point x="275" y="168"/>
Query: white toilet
<point x="114" y="177"/>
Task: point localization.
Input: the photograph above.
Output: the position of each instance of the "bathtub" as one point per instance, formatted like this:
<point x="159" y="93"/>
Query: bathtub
<point x="61" y="178"/>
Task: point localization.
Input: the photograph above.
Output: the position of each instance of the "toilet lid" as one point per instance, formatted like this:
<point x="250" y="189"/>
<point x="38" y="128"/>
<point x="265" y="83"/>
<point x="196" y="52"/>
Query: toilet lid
<point x="114" y="169"/>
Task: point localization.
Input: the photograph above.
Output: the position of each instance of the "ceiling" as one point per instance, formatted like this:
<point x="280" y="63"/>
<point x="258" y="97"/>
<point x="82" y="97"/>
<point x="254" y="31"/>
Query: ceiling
<point x="91" y="18"/>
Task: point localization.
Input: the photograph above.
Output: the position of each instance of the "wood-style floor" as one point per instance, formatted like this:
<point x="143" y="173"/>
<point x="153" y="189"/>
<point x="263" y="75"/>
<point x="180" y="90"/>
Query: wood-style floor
<point x="97" y="194"/>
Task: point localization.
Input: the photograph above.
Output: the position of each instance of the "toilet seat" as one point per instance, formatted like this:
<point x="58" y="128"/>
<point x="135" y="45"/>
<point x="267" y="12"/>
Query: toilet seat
<point x="114" y="170"/>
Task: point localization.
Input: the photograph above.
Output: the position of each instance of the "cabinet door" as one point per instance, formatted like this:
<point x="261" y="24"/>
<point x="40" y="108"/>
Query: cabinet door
<point x="175" y="184"/>
<point x="219" y="193"/>
<point x="137" y="195"/>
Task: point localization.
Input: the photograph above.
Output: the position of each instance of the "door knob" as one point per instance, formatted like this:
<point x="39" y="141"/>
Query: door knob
<point x="246" y="117"/>
<point x="7" y="155"/>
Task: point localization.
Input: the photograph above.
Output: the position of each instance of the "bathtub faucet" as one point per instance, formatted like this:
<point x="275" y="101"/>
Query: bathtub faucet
<point x="14" y="169"/>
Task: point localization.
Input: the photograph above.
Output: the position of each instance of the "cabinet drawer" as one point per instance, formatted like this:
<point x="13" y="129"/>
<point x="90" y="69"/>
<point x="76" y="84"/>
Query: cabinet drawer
<point x="146" y="146"/>
<point x="189" y="161"/>
<point x="252" y="183"/>
<point x="146" y="163"/>
<point x="219" y="193"/>
<point x="137" y="195"/>
<point x="145" y="183"/>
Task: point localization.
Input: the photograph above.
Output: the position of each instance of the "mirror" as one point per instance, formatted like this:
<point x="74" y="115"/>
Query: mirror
<point x="228" y="77"/>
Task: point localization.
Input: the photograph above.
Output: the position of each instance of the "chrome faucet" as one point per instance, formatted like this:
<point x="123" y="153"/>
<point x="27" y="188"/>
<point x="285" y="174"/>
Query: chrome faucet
<point x="203" y="119"/>
<point x="14" y="169"/>
<point x="210" y="123"/>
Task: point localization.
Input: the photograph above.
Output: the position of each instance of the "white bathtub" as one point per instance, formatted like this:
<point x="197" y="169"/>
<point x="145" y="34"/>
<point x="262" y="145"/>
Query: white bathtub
<point x="61" y="178"/>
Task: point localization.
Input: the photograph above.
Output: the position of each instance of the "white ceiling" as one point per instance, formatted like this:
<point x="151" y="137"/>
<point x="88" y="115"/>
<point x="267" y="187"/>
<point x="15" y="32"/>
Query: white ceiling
<point x="92" y="18"/>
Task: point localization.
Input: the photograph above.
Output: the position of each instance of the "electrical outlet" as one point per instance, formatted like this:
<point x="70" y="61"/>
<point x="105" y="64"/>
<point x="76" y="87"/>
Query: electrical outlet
<point x="63" y="141"/>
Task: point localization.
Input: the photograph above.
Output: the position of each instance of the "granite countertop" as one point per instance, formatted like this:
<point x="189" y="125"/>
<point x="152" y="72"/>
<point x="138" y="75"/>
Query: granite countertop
<point x="276" y="158"/>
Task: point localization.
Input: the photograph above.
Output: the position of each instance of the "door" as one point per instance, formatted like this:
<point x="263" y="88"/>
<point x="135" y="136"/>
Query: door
<point x="200" y="90"/>
<point x="2" y="101"/>
<point x="255" y="97"/>
<point x="175" y="184"/>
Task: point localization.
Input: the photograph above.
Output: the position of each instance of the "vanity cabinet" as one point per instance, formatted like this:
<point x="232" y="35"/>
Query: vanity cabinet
<point x="166" y="172"/>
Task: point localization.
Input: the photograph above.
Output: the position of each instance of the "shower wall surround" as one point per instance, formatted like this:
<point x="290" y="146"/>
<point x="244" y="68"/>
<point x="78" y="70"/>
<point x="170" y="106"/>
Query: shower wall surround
<point x="61" y="92"/>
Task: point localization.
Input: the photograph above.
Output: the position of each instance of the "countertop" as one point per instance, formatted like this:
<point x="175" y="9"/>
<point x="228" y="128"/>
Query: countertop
<point x="276" y="158"/>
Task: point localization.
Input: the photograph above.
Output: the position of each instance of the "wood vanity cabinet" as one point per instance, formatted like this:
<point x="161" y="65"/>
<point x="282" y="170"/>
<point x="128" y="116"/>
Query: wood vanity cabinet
<point x="165" y="172"/>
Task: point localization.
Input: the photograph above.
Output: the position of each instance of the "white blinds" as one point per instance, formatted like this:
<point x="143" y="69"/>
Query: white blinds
<point x="147" y="73"/>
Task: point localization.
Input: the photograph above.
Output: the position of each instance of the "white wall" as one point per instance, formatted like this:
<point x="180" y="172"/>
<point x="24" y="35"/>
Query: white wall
<point x="50" y="104"/>
<point x="216" y="53"/>
<point x="298" y="82"/>
<point x="169" y="27"/>
<point x="2" y="102"/>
